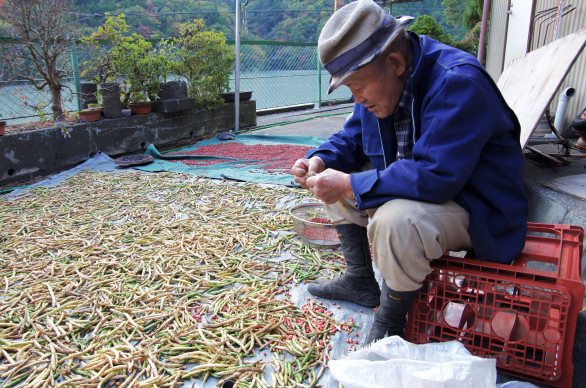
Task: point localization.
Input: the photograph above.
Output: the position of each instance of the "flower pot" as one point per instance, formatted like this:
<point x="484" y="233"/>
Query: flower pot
<point x="126" y="112"/>
<point x="90" y="115"/>
<point x="2" y="127"/>
<point x="141" y="108"/>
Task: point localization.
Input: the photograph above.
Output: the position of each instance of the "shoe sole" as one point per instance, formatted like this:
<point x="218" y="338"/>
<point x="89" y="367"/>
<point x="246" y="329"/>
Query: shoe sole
<point x="363" y="302"/>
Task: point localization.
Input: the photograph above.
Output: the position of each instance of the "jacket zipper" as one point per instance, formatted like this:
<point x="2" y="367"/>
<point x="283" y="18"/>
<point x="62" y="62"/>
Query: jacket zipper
<point x="413" y="119"/>
<point x="382" y="147"/>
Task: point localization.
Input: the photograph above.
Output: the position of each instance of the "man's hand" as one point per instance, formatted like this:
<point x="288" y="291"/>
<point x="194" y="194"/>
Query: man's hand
<point x="330" y="186"/>
<point x="305" y="168"/>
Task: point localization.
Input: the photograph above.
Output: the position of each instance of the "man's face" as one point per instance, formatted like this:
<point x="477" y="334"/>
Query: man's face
<point x="378" y="89"/>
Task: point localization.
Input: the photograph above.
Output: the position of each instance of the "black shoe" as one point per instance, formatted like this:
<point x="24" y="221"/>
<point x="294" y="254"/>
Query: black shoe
<point x="358" y="284"/>
<point x="391" y="316"/>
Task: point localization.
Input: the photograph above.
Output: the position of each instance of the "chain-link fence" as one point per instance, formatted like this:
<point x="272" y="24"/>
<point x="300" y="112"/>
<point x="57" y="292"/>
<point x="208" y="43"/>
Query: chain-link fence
<point x="278" y="73"/>
<point x="284" y="74"/>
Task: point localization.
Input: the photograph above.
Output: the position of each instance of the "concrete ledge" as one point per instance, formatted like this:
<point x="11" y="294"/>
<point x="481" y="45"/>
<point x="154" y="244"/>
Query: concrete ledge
<point x="173" y="105"/>
<point x="281" y="109"/>
<point x="35" y="153"/>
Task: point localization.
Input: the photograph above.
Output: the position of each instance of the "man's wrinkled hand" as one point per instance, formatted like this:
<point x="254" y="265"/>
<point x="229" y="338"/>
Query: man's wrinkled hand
<point x="330" y="185"/>
<point x="305" y="168"/>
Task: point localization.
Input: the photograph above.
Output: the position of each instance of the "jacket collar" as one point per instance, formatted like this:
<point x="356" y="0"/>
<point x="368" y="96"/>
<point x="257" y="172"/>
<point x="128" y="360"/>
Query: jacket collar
<point x="416" y="58"/>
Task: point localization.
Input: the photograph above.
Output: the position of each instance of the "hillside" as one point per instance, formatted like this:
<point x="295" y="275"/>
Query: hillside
<point x="293" y="20"/>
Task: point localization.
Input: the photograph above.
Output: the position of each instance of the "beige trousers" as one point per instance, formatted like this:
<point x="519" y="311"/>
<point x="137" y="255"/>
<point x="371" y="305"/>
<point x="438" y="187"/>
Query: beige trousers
<point x="406" y="235"/>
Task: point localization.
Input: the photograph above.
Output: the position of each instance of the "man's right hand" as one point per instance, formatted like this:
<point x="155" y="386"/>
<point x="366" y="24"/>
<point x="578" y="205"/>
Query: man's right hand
<point x="305" y="168"/>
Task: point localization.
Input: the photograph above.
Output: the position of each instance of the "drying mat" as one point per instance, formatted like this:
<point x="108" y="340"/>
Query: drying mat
<point x="248" y="158"/>
<point x="155" y="254"/>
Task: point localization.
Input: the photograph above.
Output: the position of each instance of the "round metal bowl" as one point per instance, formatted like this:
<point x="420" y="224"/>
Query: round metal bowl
<point x="309" y="221"/>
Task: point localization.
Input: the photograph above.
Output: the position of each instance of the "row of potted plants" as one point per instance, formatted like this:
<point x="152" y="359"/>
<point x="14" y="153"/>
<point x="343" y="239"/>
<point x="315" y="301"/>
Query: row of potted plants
<point x="95" y="111"/>
<point x="128" y="70"/>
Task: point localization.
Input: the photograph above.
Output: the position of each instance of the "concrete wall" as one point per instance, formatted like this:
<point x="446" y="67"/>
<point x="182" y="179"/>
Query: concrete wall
<point x="41" y="152"/>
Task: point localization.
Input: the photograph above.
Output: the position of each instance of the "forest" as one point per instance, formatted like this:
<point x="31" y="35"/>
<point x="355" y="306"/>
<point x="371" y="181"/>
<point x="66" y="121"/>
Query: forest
<point x="272" y="20"/>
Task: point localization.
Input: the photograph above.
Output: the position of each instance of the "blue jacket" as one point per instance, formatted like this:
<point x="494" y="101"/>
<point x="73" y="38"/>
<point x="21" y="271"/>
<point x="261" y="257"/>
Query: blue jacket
<point x="466" y="149"/>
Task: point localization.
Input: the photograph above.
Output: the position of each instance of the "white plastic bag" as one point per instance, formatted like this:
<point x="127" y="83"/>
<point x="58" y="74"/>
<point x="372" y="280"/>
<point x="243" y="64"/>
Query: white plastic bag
<point x="395" y="363"/>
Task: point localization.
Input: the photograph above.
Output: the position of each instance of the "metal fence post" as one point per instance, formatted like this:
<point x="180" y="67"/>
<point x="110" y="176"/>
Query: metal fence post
<point x="318" y="81"/>
<point x="237" y="70"/>
<point x="75" y="67"/>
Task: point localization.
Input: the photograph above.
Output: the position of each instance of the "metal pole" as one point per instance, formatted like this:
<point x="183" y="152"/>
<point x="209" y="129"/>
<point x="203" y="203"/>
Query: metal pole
<point x="237" y="70"/>
<point x="75" y="66"/>
<point x="318" y="82"/>
<point x="481" y="43"/>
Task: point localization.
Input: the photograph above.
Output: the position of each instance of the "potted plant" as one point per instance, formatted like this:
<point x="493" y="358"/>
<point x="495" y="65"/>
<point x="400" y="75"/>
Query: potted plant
<point x="208" y="78"/>
<point x="104" y="67"/>
<point x="88" y="115"/>
<point x="140" y="103"/>
<point x="144" y="67"/>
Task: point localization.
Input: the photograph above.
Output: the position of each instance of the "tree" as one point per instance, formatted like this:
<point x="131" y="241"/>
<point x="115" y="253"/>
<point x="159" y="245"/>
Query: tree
<point x="427" y="25"/>
<point x="43" y="37"/>
<point x="453" y="11"/>
<point x="471" y="16"/>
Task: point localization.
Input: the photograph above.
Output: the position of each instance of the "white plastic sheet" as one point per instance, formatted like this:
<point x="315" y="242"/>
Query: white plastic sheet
<point x="395" y="363"/>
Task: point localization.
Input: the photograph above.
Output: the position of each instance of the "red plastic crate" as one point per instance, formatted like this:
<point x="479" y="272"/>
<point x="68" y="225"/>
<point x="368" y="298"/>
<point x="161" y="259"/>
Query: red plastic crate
<point x="522" y="316"/>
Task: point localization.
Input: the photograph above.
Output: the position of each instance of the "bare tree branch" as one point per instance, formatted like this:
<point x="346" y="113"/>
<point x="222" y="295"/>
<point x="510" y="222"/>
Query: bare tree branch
<point x="44" y="36"/>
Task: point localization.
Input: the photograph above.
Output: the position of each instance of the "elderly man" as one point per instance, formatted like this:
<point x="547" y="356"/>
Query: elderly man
<point x="429" y="161"/>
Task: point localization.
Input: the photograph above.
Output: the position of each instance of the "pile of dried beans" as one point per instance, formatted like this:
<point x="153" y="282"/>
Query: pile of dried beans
<point x="273" y="158"/>
<point x="134" y="279"/>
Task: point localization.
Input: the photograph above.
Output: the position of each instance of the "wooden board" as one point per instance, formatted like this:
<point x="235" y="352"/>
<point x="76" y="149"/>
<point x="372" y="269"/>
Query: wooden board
<point x="574" y="185"/>
<point x="529" y="83"/>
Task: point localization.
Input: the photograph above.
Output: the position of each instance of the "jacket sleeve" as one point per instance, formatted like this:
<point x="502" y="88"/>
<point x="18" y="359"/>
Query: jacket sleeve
<point x="343" y="150"/>
<point x="457" y="118"/>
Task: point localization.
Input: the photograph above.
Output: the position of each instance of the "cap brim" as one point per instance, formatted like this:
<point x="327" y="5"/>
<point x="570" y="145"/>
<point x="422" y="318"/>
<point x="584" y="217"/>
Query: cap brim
<point x="335" y="82"/>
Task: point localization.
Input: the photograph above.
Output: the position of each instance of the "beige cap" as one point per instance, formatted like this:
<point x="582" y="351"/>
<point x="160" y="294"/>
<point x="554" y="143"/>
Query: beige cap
<point x="354" y="36"/>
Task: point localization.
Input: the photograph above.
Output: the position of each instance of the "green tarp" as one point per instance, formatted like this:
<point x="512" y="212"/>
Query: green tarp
<point x="242" y="169"/>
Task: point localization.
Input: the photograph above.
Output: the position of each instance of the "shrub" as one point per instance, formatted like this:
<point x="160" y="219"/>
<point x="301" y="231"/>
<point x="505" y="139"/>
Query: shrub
<point x="202" y="58"/>
<point x="131" y="57"/>
<point x="104" y="46"/>
<point x="205" y="60"/>
<point x="144" y="66"/>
